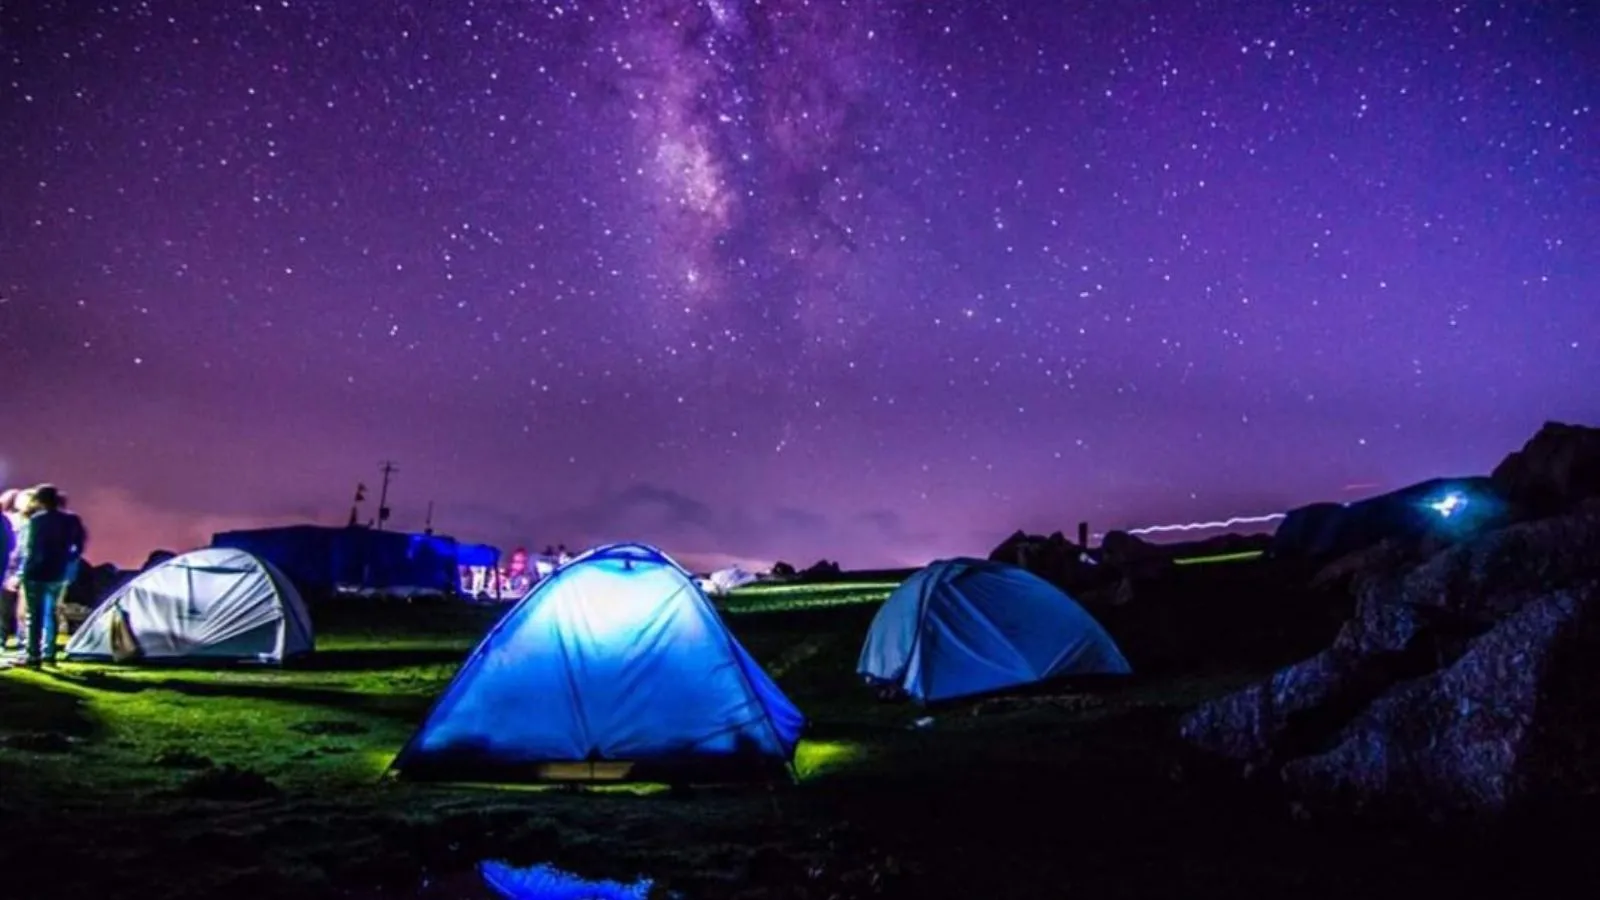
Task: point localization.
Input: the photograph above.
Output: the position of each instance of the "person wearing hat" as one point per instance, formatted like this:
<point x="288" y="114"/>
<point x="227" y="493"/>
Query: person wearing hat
<point x="50" y="555"/>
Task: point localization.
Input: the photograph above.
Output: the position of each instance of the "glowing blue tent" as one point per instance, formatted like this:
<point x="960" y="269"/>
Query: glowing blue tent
<point x="966" y="626"/>
<point x="616" y="667"/>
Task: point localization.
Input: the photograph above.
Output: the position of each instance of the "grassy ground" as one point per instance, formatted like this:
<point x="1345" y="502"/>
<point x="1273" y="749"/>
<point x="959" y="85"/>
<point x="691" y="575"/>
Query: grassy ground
<point x="124" y="782"/>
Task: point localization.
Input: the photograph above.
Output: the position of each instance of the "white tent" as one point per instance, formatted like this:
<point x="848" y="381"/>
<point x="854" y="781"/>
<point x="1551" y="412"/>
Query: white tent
<point x="965" y="626"/>
<point x="724" y="580"/>
<point x="212" y="604"/>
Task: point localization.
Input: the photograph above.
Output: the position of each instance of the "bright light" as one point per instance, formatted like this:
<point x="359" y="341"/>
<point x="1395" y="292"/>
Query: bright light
<point x="1449" y="504"/>
<point x="815" y="758"/>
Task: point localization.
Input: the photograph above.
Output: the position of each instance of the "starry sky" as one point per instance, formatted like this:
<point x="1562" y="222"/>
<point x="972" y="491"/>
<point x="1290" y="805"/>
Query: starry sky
<point x="779" y="279"/>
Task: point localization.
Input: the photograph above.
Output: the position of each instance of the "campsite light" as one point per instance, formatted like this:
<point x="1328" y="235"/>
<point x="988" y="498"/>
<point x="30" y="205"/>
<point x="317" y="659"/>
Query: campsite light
<point x="813" y="758"/>
<point x="1449" y="505"/>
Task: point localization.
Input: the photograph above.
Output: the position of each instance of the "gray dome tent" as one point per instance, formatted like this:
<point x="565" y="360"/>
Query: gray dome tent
<point x="213" y="604"/>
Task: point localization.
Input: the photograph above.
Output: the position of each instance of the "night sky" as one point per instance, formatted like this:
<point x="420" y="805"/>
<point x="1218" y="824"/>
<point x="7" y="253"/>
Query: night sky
<point x="871" y="281"/>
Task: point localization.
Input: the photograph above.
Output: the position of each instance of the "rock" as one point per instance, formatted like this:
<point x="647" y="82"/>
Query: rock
<point x="1053" y="558"/>
<point x="1448" y="681"/>
<point x="821" y="570"/>
<point x="1328" y="531"/>
<point x="1556" y="470"/>
<point x="1123" y="550"/>
<point x="1512" y="720"/>
<point x="1273" y="720"/>
<point x="1384" y="559"/>
<point x="1474" y="584"/>
<point x="1127" y="591"/>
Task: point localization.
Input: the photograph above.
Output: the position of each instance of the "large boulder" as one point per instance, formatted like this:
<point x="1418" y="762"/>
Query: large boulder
<point x="1385" y="559"/>
<point x="1557" y="469"/>
<point x="1128" y="551"/>
<point x="1426" y="662"/>
<point x="1512" y="721"/>
<point x="1328" y="531"/>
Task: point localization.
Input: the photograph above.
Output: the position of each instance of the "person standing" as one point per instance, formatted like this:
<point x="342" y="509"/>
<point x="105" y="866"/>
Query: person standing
<point x="12" y="506"/>
<point x="50" y="555"/>
<point x="8" y="595"/>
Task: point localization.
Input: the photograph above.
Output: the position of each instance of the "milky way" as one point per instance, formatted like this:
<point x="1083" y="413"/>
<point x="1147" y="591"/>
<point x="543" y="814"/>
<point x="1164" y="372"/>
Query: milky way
<point x="759" y="124"/>
<point x="873" y="280"/>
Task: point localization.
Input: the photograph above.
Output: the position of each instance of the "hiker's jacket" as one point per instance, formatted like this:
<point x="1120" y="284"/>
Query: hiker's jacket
<point x="52" y="545"/>
<point x="8" y="546"/>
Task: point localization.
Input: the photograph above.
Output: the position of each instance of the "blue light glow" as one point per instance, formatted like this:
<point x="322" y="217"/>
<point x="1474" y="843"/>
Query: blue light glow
<point x="1449" y="505"/>
<point x="546" y="882"/>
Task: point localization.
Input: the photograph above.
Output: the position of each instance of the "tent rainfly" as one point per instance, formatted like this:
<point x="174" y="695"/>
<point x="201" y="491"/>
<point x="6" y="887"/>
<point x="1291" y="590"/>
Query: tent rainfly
<point x="966" y="626"/>
<point x="616" y="667"/>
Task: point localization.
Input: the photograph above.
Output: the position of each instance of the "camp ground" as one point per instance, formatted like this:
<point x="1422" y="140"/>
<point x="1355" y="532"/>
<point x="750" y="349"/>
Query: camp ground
<point x="619" y="731"/>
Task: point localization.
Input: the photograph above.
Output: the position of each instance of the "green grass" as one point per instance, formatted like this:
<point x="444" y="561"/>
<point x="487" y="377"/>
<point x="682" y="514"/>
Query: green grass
<point x="771" y="597"/>
<point x="1063" y="793"/>
<point x="1242" y="556"/>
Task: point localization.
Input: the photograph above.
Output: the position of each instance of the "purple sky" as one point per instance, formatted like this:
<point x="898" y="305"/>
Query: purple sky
<point x="875" y="281"/>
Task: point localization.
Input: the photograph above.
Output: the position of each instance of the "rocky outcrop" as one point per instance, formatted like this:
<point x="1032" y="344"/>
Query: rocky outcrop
<point x="1556" y="470"/>
<point x="1448" y="688"/>
<point x="821" y="570"/>
<point x="1328" y="531"/>
<point x="1512" y="721"/>
<point x="1053" y="558"/>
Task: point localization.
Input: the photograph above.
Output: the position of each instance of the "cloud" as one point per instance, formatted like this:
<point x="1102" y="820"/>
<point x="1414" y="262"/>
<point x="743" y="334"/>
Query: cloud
<point x="698" y="532"/>
<point x="799" y="519"/>
<point x="886" y="521"/>
<point x="124" y="528"/>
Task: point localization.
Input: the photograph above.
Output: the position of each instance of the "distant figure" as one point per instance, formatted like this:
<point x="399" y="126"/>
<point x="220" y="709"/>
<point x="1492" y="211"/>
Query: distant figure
<point x="8" y="591"/>
<point x="13" y="506"/>
<point x="50" y="556"/>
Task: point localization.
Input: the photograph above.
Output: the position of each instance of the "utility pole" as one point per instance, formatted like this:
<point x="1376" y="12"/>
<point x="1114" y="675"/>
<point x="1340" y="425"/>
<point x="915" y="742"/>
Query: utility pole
<point x="387" y="468"/>
<point x="427" y="524"/>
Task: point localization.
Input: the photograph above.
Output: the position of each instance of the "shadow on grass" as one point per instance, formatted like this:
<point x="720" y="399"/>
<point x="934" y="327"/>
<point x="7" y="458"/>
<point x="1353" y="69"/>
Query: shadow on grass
<point x="30" y="706"/>
<point x="374" y="659"/>
<point x="399" y="707"/>
<point x="34" y="720"/>
<point x="345" y="660"/>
